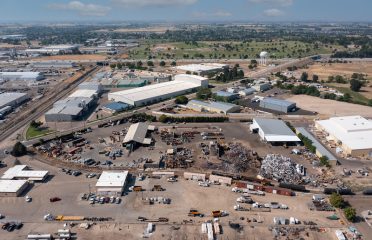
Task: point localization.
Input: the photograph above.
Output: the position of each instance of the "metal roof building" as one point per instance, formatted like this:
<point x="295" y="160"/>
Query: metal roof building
<point x="53" y="64"/>
<point x="24" y="76"/>
<point x="278" y="105"/>
<point x="22" y="172"/>
<point x="320" y="149"/>
<point x="12" y="188"/>
<point x="352" y="133"/>
<point x="273" y="130"/>
<point x="247" y="91"/>
<point x="137" y="133"/>
<point x="111" y="183"/>
<point x="116" y="107"/>
<point x="158" y="92"/>
<point x="227" y="95"/>
<point x="12" y="99"/>
<point x="216" y="107"/>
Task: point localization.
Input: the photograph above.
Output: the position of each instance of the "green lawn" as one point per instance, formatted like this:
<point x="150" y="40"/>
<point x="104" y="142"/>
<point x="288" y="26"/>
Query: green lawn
<point x="228" y="49"/>
<point x="33" y="132"/>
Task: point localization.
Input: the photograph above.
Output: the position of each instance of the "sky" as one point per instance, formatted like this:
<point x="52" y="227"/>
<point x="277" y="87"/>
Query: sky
<point x="185" y="10"/>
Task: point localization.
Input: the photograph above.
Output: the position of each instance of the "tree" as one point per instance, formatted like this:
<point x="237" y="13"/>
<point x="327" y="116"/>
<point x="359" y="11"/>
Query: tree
<point x="324" y="161"/>
<point x="350" y="214"/>
<point x="35" y="124"/>
<point x="204" y="93"/>
<point x="162" y="64"/>
<point x="19" y="150"/>
<point x="370" y="102"/>
<point x="355" y="85"/>
<point x="163" y="118"/>
<point x="150" y="63"/>
<point x="315" y="78"/>
<point x="173" y="64"/>
<point x="337" y="200"/>
<point x="304" y="77"/>
<point x="181" y="100"/>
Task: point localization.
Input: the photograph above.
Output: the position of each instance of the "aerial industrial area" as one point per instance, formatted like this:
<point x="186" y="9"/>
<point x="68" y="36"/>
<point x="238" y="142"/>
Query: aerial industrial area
<point x="133" y="132"/>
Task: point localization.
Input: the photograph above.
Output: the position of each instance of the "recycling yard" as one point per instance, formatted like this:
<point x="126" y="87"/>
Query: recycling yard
<point x="184" y="195"/>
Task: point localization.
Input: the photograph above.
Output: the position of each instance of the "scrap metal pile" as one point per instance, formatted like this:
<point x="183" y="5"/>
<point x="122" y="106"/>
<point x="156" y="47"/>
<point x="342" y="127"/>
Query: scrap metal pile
<point x="281" y="169"/>
<point x="174" y="139"/>
<point x="239" y="159"/>
<point x="181" y="158"/>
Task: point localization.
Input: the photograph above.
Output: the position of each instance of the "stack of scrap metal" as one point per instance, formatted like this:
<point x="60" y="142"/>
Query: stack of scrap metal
<point x="280" y="168"/>
<point x="239" y="159"/>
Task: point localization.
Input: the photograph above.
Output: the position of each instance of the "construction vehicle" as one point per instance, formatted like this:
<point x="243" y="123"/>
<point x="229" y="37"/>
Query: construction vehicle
<point x="69" y="218"/>
<point x="195" y="213"/>
<point x="161" y="219"/>
<point x="219" y="213"/>
<point x="158" y="188"/>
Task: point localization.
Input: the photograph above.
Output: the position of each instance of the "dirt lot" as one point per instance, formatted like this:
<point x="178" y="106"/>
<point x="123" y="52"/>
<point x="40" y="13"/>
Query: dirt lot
<point x="343" y="69"/>
<point x="91" y="57"/>
<point x="329" y="108"/>
<point x="184" y="195"/>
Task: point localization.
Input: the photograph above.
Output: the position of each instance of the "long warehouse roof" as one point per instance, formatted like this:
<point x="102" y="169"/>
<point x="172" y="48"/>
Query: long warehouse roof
<point x="276" y="130"/>
<point x="11" y="186"/>
<point x="6" y="98"/>
<point x="137" y="133"/>
<point x="154" y="90"/>
<point x="20" y="171"/>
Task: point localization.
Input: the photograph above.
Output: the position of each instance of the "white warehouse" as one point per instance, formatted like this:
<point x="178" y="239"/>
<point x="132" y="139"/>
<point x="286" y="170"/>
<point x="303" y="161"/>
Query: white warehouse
<point x="150" y="94"/>
<point x="273" y="131"/>
<point x="24" y="76"/>
<point x="352" y="133"/>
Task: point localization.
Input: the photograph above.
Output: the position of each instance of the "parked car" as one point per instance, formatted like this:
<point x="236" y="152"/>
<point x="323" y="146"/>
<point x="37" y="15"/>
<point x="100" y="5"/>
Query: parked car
<point x="28" y="198"/>
<point x="54" y="199"/>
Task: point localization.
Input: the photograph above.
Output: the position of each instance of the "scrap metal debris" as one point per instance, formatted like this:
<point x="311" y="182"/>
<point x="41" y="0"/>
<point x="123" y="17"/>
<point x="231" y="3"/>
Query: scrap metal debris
<point x="280" y="168"/>
<point x="239" y="159"/>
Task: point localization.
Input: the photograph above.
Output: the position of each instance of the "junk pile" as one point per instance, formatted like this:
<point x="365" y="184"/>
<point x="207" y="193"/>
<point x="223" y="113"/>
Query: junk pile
<point x="281" y="169"/>
<point x="239" y="159"/>
<point x="180" y="158"/>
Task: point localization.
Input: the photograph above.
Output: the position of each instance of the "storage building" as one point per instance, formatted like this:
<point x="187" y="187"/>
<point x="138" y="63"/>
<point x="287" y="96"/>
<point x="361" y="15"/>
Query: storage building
<point x="158" y="92"/>
<point x="12" y="188"/>
<point x="220" y="179"/>
<point x="194" y="176"/>
<point x="54" y="50"/>
<point x="22" y="172"/>
<point x="53" y="65"/>
<point x="216" y="107"/>
<point x="91" y="86"/>
<point x="278" y="105"/>
<point x="261" y="87"/>
<point x="273" y="131"/>
<point x="112" y="183"/>
<point x="24" y="76"/>
<point x="115" y="107"/>
<point x="12" y="99"/>
<point x="352" y="133"/>
<point x="246" y="92"/>
<point x="227" y="95"/>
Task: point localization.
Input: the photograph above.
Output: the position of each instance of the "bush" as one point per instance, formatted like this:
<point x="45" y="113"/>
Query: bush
<point x="204" y="93"/>
<point x="163" y="118"/>
<point x="324" y="161"/>
<point x="181" y="100"/>
<point x="350" y="214"/>
<point x="355" y="85"/>
<point x="19" y="150"/>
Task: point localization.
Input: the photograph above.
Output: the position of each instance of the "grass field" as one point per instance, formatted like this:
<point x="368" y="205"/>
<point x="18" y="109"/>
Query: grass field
<point x="222" y="50"/>
<point x="33" y="132"/>
<point x="356" y="96"/>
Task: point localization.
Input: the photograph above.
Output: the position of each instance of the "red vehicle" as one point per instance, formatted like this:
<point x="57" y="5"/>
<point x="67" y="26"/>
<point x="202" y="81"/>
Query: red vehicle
<point x="54" y="199"/>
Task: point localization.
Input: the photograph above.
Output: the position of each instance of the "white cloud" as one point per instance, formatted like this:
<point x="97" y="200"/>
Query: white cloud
<point x="153" y="3"/>
<point x="274" y="2"/>
<point x="273" y="12"/>
<point x="219" y="13"/>
<point x="85" y="9"/>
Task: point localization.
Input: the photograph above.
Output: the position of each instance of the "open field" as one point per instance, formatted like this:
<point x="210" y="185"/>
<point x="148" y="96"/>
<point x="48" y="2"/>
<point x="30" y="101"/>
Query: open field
<point x="35" y="132"/>
<point x="323" y="70"/>
<point x="328" y="108"/>
<point x="77" y="57"/>
<point x="222" y="50"/>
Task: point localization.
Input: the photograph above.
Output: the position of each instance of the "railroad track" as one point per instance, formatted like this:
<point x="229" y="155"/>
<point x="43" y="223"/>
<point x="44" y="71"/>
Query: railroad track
<point x="41" y="108"/>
